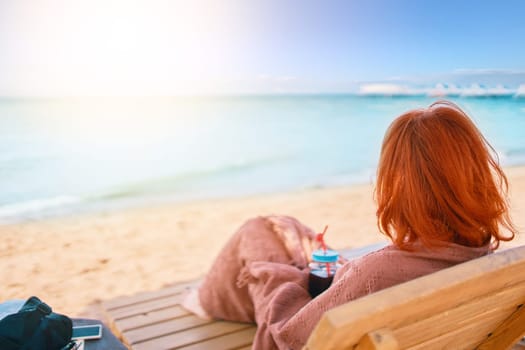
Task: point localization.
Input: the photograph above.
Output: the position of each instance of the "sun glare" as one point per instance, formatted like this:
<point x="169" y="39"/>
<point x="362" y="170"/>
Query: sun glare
<point x="121" y="47"/>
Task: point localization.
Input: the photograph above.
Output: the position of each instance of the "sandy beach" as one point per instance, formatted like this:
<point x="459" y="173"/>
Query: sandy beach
<point x="74" y="263"/>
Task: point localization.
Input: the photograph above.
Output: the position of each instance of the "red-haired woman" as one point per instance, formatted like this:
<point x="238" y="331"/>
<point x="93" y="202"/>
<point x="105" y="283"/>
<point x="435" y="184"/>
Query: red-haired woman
<point x="441" y="198"/>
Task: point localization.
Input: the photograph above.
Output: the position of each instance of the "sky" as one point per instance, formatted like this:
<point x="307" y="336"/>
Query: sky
<point x="153" y="47"/>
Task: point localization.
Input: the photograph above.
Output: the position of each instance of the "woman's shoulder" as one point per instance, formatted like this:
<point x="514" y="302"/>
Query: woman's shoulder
<point x="385" y="252"/>
<point x="377" y="259"/>
<point x="446" y="253"/>
<point x="396" y="264"/>
<point x="374" y="271"/>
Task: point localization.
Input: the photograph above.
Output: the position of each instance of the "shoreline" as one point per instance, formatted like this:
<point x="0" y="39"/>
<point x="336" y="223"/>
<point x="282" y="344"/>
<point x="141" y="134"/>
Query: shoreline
<point x="52" y="208"/>
<point x="169" y="200"/>
<point x="74" y="262"/>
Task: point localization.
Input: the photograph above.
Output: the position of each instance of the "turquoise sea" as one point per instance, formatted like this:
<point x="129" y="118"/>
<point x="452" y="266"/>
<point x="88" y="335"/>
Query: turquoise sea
<point x="72" y="155"/>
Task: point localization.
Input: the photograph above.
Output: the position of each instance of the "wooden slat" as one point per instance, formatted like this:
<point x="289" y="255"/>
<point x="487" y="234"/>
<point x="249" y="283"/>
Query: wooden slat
<point x="508" y="332"/>
<point x="475" y="312"/>
<point x="137" y="298"/>
<point x="147" y="319"/>
<point x="146" y="306"/>
<point x="466" y="336"/>
<point x="191" y="336"/>
<point x="163" y="328"/>
<point x="242" y="338"/>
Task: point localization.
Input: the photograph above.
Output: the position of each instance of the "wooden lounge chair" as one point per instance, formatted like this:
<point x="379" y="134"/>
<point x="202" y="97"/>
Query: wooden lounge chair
<point x="474" y="305"/>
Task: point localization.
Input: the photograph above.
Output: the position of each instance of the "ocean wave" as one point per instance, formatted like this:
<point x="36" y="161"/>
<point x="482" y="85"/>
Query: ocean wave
<point x="30" y="207"/>
<point x="183" y="184"/>
<point x="180" y="182"/>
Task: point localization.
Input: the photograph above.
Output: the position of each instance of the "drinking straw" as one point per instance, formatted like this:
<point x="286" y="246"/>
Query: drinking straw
<point x="320" y="238"/>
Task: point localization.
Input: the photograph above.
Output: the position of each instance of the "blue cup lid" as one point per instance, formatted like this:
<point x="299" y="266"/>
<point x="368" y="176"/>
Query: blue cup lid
<point x="330" y="256"/>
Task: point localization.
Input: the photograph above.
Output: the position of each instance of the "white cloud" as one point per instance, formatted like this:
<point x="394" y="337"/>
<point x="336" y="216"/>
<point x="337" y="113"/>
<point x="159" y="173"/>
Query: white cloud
<point x="488" y="71"/>
<point x="385" y="89"/>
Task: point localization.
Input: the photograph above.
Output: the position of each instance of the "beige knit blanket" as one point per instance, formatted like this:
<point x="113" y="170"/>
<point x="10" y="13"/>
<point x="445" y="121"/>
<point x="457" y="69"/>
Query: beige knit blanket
<point x="261" y="276"/>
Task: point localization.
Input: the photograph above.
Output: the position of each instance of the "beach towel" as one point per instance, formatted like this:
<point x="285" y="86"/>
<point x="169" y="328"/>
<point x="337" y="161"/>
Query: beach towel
<point x="261" y="276"/>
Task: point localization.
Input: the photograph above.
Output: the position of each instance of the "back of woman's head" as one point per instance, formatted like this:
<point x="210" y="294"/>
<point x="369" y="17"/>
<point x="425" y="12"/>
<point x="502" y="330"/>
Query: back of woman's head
<point x="439" y="181"/>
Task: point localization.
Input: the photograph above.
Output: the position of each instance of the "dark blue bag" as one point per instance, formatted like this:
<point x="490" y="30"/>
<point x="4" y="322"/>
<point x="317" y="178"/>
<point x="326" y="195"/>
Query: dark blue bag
<point x="35" y="327"/>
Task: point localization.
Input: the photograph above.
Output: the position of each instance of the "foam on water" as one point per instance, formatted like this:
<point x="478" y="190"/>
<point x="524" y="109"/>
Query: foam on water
<point x="33" y="208"/>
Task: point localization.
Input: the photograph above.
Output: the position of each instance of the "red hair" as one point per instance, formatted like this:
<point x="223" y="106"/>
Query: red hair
<point x="439" y="181"/>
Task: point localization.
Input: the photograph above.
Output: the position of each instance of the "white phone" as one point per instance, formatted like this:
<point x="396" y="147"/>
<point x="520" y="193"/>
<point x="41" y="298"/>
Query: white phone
<point x="87" y="332"/>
